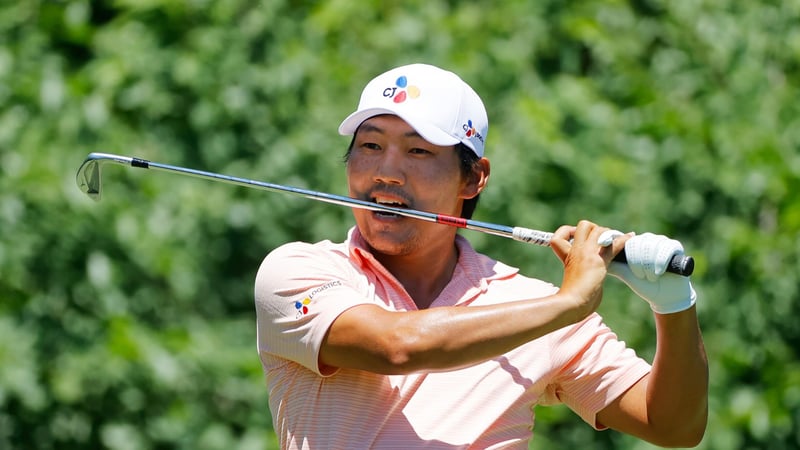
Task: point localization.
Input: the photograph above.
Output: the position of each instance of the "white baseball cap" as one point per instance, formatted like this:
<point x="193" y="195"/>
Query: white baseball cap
<point x="438" y="104"/>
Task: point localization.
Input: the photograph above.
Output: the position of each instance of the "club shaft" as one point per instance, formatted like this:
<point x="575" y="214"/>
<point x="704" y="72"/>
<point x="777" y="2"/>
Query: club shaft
<point x="681" y="264"/>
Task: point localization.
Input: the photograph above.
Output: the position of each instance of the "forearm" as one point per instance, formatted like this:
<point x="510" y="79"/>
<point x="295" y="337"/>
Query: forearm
<point x="677" y="392"/>
<point x="441" y="338"/>
<point x="453" y="337"/>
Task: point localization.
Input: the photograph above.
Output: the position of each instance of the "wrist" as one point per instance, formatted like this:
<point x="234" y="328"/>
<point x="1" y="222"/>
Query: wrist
<point x="671" y="307"/>
<point x="573" y="307"/>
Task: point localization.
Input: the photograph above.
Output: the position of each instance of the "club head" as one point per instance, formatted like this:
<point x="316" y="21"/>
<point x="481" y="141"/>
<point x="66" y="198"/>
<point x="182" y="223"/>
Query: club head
<point x="88" y="178"/>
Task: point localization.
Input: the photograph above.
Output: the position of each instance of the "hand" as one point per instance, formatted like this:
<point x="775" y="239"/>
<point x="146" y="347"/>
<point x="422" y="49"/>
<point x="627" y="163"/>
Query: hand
<point x="645" y="273"/>
<point x="585" y="262"/>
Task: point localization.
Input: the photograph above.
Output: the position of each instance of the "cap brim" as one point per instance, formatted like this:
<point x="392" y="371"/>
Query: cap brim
<point x="430" y="133"/>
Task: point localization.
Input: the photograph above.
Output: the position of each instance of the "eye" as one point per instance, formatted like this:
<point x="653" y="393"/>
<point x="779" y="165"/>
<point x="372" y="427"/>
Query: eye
<point x="370" y="146"/>
<point x="420" y="151"/>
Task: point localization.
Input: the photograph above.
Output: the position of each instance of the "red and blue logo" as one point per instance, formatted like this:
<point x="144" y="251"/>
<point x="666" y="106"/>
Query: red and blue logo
<point x="302" y="306"/>
<point x="471" y="132"/>
<point x="401" y="91"/>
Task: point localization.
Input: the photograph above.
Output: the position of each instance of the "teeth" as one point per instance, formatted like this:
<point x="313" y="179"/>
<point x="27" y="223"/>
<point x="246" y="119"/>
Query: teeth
<point x="387" y="202"/>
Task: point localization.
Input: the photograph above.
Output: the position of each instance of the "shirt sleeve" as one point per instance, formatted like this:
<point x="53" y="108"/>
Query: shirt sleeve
<point x="593" y="368"/>
<point x="300" y="290"/>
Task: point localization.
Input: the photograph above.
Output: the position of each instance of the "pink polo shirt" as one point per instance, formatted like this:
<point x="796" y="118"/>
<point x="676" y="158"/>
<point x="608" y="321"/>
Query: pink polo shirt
<point x="302" y="288"/>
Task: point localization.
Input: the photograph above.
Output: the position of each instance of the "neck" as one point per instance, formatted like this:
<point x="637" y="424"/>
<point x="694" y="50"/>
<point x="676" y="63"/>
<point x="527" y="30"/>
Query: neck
<point x="423" y="274"/>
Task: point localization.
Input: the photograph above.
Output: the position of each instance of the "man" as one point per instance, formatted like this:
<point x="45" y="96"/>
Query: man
<point x="404" y="337"/>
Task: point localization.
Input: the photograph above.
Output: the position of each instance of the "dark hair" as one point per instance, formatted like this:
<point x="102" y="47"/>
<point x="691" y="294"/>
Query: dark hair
<point x="468" y="162"/>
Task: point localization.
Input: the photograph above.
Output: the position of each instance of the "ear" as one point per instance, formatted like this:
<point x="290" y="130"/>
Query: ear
<point x="477" y="180"/>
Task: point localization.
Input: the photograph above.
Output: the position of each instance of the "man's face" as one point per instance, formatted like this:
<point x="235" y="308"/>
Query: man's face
<point x="391" y="164"/>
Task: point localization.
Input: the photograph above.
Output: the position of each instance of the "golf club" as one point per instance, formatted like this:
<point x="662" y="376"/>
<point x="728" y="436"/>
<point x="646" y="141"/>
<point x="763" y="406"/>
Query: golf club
<point x="89" y="181"/>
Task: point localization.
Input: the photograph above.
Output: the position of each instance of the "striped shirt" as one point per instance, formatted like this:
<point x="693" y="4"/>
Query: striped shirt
<point x="302" y="288"/>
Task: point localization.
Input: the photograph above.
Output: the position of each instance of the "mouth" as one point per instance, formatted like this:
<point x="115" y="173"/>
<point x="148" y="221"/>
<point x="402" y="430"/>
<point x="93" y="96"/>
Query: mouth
<point x="388" y="202"/>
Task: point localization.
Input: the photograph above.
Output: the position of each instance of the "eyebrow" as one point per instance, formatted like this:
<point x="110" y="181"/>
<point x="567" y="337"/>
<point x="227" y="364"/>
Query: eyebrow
<point x="368" y="127"/>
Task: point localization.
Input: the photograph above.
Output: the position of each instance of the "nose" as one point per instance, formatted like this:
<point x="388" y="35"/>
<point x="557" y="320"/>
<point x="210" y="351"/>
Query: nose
<point x="390" y="168"/>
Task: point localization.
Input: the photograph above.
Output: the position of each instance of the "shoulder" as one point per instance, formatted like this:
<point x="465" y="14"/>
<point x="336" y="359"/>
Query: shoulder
<point x="303" y="261"/>
<point x="298" y="249"/>
<point x="499" y="281"/>
<point x="510" y="278"/>
<point x="520" y="287"/>
<point x="305" y="253"/>
<point x="502" y="282"/>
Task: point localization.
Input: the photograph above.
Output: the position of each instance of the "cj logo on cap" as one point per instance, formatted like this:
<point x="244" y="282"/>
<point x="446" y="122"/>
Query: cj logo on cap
<point x="470" y="131"/>
<point x="401" y="91"/>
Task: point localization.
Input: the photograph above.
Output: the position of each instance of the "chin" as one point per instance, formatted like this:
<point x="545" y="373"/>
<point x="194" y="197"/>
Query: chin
<point x="388" y="243"/>
<point x="389" y="247"/>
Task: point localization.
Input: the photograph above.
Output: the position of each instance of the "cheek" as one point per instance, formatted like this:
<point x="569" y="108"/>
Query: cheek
<point x="445" y="194"/>
<point x="443" y="179"/>
<point x="352" y="174"/>
<point x="358" y="163"/>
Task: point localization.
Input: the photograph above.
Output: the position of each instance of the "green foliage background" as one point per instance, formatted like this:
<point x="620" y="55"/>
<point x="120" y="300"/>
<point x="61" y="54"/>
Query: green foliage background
<point x="128" y="324"/>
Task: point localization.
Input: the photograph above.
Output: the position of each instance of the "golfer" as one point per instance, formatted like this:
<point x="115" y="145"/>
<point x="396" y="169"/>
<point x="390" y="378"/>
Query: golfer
<point x="404" y="337"/>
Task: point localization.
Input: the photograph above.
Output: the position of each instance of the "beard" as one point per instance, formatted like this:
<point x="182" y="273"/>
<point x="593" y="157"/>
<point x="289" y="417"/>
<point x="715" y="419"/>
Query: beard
<point x="399" y="237"/>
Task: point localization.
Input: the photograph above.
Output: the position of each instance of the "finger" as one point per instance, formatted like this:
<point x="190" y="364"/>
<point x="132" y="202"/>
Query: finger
<point x="584" y="230"/>
<point x="560" y="242"/>
<point x="619" y="242"/>
<point x="564" y="233"/>
<point x="666" y="249"/>
<point x="594" y="239"/>
<point x="607" y="237"/>
<point x="640" y="253"/>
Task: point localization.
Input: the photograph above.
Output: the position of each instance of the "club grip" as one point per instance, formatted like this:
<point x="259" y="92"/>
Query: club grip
<point x="679" y="264"/>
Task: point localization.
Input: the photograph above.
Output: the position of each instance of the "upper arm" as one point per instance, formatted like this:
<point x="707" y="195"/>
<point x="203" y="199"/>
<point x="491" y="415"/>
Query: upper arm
<point x="311" y="309"/>
<point x="628" y="412"/>
<point x="668" y="407"/>
<point x="300" y="291"/>
<point x="368" y="337"/>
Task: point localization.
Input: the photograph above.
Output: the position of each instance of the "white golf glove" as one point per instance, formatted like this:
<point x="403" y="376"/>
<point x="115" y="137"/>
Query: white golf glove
<point x="645" y="273"/>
